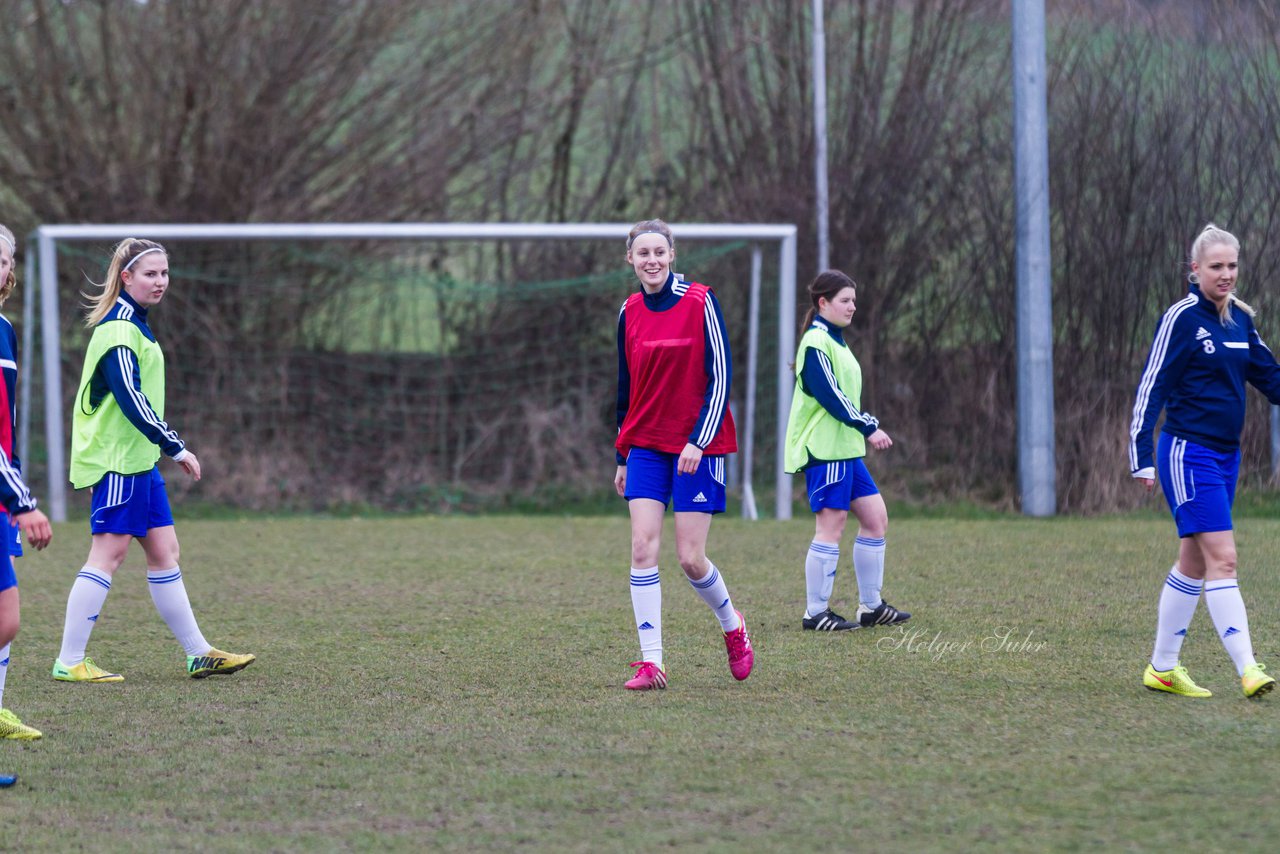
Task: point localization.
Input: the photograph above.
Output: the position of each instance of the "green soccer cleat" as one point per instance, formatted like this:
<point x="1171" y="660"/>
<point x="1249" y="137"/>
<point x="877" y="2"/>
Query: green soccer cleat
<point x="215" y="662"/>
<point x="1255" y="682"/>
<point x="11" y="727"/>
<point x="1175" y="681"/>
<point x="85" y="671"/>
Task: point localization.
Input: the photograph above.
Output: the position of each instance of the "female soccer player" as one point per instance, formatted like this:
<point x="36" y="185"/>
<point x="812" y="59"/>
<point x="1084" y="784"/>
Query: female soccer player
<point x="1205" y="350"/>
<point x="674" y="428"/>
<point x="827" y="437"/>
<point x="118" y="432"/>
<point x="19" y="508"/>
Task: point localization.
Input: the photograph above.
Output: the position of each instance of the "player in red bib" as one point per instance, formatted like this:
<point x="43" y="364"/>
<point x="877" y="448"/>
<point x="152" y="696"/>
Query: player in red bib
<point x="674" y="428"/>
<point x="17" y="506"/>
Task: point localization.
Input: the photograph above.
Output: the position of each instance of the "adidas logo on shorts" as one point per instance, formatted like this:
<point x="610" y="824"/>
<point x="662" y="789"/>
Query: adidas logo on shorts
<point x="699" y="499"/>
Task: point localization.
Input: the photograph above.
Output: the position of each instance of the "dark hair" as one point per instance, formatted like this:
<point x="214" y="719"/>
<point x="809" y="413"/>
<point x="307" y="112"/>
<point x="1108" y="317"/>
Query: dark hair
<point x="826" y="285"/>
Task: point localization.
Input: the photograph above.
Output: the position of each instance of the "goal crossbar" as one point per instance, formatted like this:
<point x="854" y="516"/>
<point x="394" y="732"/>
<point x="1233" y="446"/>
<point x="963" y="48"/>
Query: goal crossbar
<point x="42" y="255"/>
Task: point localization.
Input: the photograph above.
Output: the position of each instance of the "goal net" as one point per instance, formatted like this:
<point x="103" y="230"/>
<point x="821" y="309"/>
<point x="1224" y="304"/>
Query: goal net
<point x="400" y="367"/>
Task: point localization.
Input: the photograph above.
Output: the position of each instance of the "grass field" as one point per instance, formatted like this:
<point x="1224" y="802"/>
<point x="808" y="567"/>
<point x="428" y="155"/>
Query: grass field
<point x="455" y="684"/>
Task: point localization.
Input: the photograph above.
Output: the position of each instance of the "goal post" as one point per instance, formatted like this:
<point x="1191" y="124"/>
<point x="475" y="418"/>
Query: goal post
<point x="43" y="255"/>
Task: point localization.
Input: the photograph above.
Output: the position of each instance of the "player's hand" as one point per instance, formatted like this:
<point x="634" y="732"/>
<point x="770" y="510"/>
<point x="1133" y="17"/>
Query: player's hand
<point x="880" y="440"/>
<point x="1148" y="483"/>
<point x="689" y="459"/>
<point x="35" y="528"/>
<point x="191" y="465"/>
<point x="620" y="481"/>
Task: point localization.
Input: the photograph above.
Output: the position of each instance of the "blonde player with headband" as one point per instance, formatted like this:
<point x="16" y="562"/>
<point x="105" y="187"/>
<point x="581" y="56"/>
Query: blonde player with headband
<point x="118" y="434"/>
<point x="674" y="428"/>
<point x="16" y="503"/>
<point x="1205" y="350"/>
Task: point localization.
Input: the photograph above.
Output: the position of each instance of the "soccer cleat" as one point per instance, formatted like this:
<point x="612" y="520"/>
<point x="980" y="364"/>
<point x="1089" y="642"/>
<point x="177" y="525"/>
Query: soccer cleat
<point x="883" y="614"/>
<point x="215" y="662"/>
<point x="738" y="644"/>
<point x="1256" y="682"/>
<point x="11" y="727"/>
<point x="1175" y="681"/>
<point x="827" y="621"/>
<point x="85" y="671"/>
<point x="7" y="780"/>
<point x="648" y="678"/>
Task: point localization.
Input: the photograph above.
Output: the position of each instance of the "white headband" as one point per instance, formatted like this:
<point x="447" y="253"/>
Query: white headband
<point x="139" y="255"/>
<point x="631" y="240"/>
<point x="13" y="249"/>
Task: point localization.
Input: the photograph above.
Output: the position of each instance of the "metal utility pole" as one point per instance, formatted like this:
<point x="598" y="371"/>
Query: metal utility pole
<point x="1037" y="478"/>
<point x="821" y="194"/>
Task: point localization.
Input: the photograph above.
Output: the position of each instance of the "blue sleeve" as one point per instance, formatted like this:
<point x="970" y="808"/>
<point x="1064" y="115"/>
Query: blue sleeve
<point x="719" y="368"/>
<point x="1168" y="358"/>
<point x="1263" y="373"/>
<point x="14" y="494"/>
<point x="624" y="376"/>
<point x="119" y="368"/>
<point x="819" y="382"/>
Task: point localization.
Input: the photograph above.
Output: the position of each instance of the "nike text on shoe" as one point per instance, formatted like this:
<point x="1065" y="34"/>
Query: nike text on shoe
<point x="215" y="662"/>
<point x="649" y="677"/>
<point x="11" y="727"/>
<point x="85" y="671"/>
<point x="827" y="621"/>
<point x="1175" y="681"/>
<point x="1255" y="682"/>
<point x="883" y="614"/>
<point x="738" y="644"/>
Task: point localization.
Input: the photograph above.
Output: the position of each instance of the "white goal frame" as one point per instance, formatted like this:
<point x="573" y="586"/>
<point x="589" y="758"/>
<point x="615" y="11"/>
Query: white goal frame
<point x="42" y="264"/>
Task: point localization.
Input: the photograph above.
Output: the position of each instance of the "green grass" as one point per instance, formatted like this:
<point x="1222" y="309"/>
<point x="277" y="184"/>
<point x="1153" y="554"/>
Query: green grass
<point x="455" y="684"/>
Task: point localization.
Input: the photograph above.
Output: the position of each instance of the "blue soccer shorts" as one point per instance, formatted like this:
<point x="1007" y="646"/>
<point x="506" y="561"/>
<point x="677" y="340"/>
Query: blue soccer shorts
<point x="12" y="547"/>
<point x="1199" y="484"/>
<point x="652" y="474"/>
<point x="129" y="504"/>
<point x="837" y="485"/>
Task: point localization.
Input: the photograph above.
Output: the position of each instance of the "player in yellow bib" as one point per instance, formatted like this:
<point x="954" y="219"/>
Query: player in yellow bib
<point x="118" y="434"/>
<point x="827" y="437"/>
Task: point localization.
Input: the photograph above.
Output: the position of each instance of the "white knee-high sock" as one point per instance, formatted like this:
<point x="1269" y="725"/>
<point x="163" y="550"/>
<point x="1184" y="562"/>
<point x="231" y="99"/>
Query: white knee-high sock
<point x="84" y="604"/>
<point x="1226" y="607"/>
<point x="820" y="564"/>
<point x="4" y="670"/>
<point x="868" y="565"/>
<point x="170" y="597"/>
<point x="1178" y="600"/>
<point x="715" y="593"/>
<point x="646" y="602"/>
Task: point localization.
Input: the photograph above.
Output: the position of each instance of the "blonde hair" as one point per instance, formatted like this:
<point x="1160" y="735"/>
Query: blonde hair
<point x="124" y="254"/>
<point x="10" y="281"/>
<point x="650" y="226"/>
<point x="1211" y="235"/>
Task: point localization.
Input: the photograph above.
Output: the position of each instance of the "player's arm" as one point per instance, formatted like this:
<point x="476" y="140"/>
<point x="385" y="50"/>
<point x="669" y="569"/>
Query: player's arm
<point x="718" y="365"/>
<point x="624" y="376"/>
<point x="818" y="380"/>
<point x="1171" y="350"/>
<point x="119" y="368"/>
<point x="1263" y="371"/>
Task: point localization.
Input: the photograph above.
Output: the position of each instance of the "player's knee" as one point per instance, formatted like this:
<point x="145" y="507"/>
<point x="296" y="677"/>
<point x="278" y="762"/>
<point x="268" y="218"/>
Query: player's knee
<point x="694" y="564"/>
<point x="644" y="550"/>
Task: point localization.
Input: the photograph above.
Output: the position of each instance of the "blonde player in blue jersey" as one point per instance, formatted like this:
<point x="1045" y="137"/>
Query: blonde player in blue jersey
<point x="1205" y="351"/>
<point x="118" y="434"/>
<point x="827" y="438"/>
<point x="16" y="503"/>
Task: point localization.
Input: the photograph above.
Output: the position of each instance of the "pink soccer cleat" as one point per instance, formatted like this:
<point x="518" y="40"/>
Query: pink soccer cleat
<point x="738" y="644"/>
<point x="647" y="678"/>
